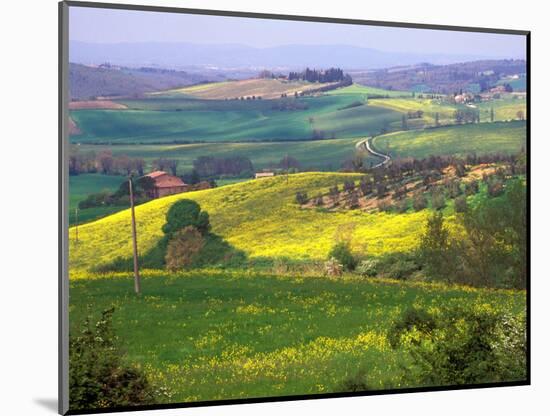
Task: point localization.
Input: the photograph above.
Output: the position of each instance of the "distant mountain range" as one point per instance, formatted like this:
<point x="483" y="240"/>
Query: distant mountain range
<point x="474" y="76"/>
<point x="230" y="56"/>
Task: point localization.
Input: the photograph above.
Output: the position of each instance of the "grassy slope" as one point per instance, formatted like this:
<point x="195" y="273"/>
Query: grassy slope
<point x="82" y="185"/>
<point x="506" y="137"/>
<point x="323" y="155"/>
<point x="504" y="109"/>
<point x="366" y="91"/>
<point x="428" y="106"/>
<point x="259" y="217"/>
<point x="216" y="335"/>
<point x="265" y="88"/>
<point x="201" y="120"/>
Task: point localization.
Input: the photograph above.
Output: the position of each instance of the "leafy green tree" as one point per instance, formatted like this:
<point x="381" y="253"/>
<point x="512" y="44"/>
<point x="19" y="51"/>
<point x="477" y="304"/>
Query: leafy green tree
<point x="194" y="177"/>
<point x="185" y="213"/>
<point x="301" y="197"/>
<point x="342" y="253"/>
<point x="496" y="231"/>
<point x="436" y="249"/>
<point x="516" y="218"/>
<point x="419" y="202"/>
<point x="461" y="204"/>
<point x="438" y="199"/>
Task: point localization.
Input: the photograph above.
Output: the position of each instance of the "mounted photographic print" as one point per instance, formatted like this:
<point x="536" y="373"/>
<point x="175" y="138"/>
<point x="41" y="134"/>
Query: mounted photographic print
<point x="264" y="207"/>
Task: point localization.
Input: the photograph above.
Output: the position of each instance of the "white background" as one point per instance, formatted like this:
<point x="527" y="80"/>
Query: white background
<point x="28" y="207"/>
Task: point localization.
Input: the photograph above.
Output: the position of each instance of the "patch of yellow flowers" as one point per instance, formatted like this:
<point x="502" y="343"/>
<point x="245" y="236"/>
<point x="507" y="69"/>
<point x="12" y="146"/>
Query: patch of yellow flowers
<point x="259" y="217"/>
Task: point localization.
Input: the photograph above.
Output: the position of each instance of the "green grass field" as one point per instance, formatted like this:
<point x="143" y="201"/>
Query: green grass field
<point x="321" y="155"/>
<point x="164" y="121"/>
<point x="366" y="91"/>
<point x="209" y="335"/>
<point x="507" y="137"/>
<point x="504" y="109"/>
<point x="81" y="186"/>
<point x="429" y="106"/>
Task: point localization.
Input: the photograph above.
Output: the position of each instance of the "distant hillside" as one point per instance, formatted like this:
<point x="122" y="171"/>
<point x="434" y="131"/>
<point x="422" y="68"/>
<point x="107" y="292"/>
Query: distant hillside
<point x="185" y="55"/>
<point x="264" y="88"/>
<point x="88" y="82"/>
<point x="467" y="76"/>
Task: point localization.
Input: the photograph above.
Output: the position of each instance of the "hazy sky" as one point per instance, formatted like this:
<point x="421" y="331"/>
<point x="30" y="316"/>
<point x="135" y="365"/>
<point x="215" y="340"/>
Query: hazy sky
<point x="114" y="26"/>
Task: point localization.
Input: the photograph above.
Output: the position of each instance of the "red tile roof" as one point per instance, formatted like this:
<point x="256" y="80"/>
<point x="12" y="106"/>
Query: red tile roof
<point x="156" y="174"/>
<point x="163" y="180"/>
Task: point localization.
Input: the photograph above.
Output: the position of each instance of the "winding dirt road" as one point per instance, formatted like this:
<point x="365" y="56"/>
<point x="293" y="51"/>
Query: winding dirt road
<point x="366" y="144"/>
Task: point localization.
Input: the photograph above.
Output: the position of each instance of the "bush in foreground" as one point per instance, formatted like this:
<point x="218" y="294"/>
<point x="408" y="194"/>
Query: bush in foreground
<point x="98" y="377"/>
<point x="355" y="383"/>
<point x="462" y="346"/>
<point x="368" y="268"/>
<point x="183" y="248"/>
<point x="341" y="252"/>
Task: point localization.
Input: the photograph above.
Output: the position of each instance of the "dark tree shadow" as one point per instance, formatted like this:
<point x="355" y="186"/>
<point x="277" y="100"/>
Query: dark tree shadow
<point x="216" y="252"/>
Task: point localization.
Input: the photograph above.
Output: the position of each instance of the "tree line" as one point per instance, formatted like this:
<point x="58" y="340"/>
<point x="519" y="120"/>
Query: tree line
<point x="211" y="166"/>
<point x="314" y="75"/>
<point x="104" y="162"/>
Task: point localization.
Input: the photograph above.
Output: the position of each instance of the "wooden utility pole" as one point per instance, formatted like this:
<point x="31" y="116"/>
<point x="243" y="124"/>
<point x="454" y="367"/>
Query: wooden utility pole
<point x="76" y="223"/>
<point x="137" y="280"/>
<point x="287" y="167"/>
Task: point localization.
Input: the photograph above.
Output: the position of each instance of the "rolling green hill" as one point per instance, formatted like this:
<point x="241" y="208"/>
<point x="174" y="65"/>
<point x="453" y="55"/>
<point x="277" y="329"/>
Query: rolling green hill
<point x="369" y="91"/>
<point x="165" y="121"/>
<point x="428" y="106"/>
<point x="319" y="155"/>
<point x="258" y="217"/>
<point x="504" y="109"/>
<point x="506" y="137"/>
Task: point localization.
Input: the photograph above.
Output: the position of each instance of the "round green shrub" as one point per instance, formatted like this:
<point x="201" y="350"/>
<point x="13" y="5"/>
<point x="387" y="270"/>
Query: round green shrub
<point x="185" y="213"/>
<point x="342" y="253"/>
